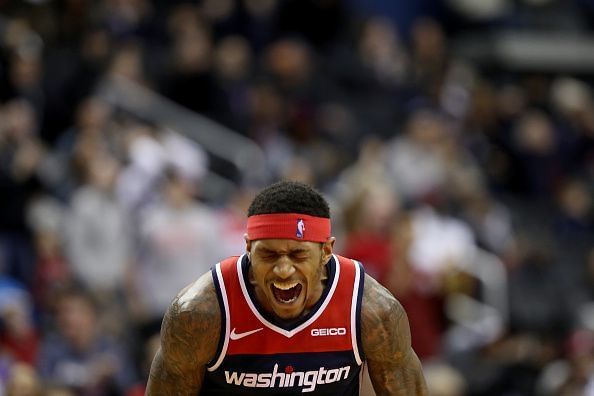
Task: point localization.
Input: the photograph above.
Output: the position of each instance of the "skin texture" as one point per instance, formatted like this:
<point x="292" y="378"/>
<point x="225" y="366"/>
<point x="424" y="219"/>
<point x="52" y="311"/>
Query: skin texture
<point x="394" y="368"/>
<point x="189" y="337"/>
<point x="190" y="330"/>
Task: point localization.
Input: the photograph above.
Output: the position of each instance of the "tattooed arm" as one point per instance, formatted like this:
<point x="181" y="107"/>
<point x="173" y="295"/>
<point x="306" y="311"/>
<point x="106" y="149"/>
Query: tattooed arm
<point x="189" y="337"/>
<point x="394" y="368"/>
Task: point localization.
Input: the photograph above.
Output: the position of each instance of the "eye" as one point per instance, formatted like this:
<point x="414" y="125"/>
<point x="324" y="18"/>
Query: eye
<point x="268" y="255"/>
<point x="300" y="256"/>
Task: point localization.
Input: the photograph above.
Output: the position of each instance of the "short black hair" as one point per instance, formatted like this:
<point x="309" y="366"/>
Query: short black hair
<point x="289" y="197"/>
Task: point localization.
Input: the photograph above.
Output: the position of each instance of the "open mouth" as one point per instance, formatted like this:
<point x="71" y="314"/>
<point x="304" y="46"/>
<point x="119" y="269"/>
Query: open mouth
<point x="286" y="292"/>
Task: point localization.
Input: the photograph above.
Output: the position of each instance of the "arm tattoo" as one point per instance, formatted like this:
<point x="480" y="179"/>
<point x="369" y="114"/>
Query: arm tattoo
<point x="189" y="336"/>
<point x="394" y="368"/>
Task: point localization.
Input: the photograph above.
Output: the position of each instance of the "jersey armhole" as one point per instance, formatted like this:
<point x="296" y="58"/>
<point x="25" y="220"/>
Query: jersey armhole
<point x="219" y="285"/>
<point x="356" y="312"/>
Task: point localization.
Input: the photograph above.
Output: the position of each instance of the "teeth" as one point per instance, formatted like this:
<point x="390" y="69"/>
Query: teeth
<point x="284" y="286"/>
<point x="290" y="301"/>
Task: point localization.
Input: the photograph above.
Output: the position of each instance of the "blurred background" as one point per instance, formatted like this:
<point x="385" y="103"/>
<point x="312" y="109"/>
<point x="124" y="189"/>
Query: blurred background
<point x="454" y="140"/>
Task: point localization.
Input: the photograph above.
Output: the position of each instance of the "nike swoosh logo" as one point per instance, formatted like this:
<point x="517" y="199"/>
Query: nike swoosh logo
<point x="238" y="336"/>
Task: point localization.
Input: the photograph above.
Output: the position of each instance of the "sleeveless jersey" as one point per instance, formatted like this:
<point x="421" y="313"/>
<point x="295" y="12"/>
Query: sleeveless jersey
<point x="320" y="354"/>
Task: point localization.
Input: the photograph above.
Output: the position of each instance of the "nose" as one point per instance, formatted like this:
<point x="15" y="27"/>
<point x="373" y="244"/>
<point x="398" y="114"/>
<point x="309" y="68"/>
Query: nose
<point x="284" y="268"/>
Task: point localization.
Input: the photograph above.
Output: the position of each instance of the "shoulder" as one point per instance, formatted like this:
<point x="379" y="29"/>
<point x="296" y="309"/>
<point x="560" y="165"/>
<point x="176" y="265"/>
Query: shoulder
<point x="193" y="320"/>
<point x="193" y="298"/>
<point x="384" y="325"/>
<point x="196" y="302"/>
<point x="378" y="301"/>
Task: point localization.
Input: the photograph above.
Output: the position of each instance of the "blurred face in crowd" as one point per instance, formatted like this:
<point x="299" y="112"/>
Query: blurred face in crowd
<point x="192" y="51"/>
<point x="77" y="320"/>
<point x="290" y="61"/>
<point x="534" y="133"/>
<point x="233" y="58"/>
<point x="93" y="113"/>
<point x="288" y="276"/>
<point x="103" y="172"/>
<point x="18" y="120"/>
<point x="16" y="319"/>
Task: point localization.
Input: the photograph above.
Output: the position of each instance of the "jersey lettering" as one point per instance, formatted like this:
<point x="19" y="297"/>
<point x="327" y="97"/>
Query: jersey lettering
<point x="332" y="331"/>
<point x="308" y="380"/>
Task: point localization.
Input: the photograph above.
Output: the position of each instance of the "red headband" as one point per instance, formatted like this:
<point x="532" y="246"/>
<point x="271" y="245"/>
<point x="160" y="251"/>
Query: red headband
<point x="299" y="227"/>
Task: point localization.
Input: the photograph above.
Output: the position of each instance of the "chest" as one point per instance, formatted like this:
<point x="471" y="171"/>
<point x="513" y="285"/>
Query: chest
<point x="318" y="354"/>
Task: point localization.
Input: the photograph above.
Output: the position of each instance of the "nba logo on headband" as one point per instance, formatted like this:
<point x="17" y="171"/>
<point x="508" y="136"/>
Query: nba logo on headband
<point x="300" y="228"/>
<point x="288" y="226"/>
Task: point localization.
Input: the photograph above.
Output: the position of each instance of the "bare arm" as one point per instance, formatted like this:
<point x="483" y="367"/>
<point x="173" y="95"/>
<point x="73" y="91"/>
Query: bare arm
<point x="189" y="337"/>
<point x="394" y="368"/>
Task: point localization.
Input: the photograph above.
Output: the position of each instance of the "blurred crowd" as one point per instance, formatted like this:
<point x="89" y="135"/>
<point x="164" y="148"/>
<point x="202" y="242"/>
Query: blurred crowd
<point x="466" y="189"/>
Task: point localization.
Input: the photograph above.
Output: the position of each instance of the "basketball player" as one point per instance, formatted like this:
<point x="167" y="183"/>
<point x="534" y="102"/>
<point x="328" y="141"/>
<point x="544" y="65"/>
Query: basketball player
<point x="288" y="317"/>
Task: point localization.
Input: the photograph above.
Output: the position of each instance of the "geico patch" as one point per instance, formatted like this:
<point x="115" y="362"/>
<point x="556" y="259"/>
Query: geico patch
<point x="329" y="331"/>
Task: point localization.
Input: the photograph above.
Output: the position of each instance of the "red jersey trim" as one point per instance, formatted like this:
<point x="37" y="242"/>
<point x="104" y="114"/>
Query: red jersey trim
<point x="354" y="328"/>
<point x="221" y="282"/>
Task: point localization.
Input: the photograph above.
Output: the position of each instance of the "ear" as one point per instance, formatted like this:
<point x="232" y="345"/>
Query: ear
<point x="327" y="248"/>
<point x="248" y="244"/>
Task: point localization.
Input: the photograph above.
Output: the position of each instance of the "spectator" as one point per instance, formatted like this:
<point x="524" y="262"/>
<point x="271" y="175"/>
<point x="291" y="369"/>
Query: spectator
<point x="174" y="236"/>
<point x="92" y="119"/>
<point x="413" y="158"/>
<point x="21" y="155"/>
<point x="79" y="354"/>
<point x="45" y="216"/>
<point x="369" y="239"/>
<point x="19" y="338"/>
<point x="99" y="238"/>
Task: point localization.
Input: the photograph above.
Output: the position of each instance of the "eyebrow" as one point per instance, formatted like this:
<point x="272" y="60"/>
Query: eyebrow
<point x="291" y="251"/>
